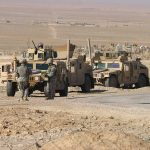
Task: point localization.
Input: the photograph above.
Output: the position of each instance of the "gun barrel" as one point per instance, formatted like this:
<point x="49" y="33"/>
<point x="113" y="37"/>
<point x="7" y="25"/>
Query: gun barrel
<point x="36" y="49"/>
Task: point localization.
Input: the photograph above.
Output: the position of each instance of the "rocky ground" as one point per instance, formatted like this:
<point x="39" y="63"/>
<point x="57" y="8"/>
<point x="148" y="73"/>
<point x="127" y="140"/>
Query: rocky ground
<point x="74" y="122"/>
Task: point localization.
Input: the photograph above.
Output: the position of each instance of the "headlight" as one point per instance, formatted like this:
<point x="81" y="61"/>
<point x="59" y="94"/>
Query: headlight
<point x="37" y="78"/>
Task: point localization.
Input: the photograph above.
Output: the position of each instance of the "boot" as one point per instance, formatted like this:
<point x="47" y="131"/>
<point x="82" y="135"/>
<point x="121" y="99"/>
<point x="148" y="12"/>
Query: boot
<point x="26" y="99"/>
<point x="20" y="99"/>
<point x="49" y="98"/>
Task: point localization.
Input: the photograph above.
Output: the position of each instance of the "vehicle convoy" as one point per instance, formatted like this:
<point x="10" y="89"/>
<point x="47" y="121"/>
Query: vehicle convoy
<point x="70" y="71"/>
<point x="120" y="72"/>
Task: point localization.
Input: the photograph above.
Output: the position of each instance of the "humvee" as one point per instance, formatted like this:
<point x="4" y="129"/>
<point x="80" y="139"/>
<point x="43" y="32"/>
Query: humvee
<point x="120" y="72"/>
<point x="38" y="80"/>
<point x="70" y="71"/>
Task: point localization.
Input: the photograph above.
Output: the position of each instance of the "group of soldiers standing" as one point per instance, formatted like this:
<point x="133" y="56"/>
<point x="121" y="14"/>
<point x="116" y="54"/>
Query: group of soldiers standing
<point x="23" y="73"/>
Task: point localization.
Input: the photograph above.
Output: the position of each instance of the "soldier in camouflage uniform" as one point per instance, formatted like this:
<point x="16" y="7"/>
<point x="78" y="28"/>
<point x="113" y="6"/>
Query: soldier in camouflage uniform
<point x="40" y="45"/>
<point x="23" y="73"/>
<point x="51" y="84"/>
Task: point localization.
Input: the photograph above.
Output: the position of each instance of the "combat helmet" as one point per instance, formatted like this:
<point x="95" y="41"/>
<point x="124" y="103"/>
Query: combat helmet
<point x="23" y="61"/>
<point x="40" y="45"/>
<point x="50" y="61"/>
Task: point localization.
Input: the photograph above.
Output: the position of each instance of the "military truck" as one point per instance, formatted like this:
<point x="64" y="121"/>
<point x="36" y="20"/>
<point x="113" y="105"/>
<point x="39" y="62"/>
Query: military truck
<point x="70" y="71"/>
<point x="120" y="72"/>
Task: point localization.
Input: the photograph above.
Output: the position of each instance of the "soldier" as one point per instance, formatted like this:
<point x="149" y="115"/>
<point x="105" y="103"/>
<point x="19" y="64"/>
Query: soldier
<point x="23" y="73"/>
<point x="40" y="45"/>
<point x="51" y="84"/>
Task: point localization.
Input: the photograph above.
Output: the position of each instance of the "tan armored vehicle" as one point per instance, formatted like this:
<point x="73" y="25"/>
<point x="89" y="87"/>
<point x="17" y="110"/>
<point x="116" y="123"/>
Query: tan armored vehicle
<point x="38" y="80"/>
<point x="120" y="72"/>
<point x="70" y="71"/>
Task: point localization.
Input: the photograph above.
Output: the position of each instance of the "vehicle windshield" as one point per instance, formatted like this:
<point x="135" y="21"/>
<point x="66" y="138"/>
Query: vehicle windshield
<point x="103" y="66"/>
<point x="30" y="66"/>
<point x="100" y="66"/>
<point x="113" y="65"/>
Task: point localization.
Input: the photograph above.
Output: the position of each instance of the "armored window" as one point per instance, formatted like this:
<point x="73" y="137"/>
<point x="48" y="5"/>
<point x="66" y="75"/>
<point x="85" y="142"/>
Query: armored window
<point x="107" y="55"/>
<point x="113" y="65"/>
<point x="101" y="66"/>
<point x="30" y="66"/>
<point x="31" y="56"/>
<point x="6" y="68"/>
<point x="41" y="66"/>
<point x="40" y="56"/>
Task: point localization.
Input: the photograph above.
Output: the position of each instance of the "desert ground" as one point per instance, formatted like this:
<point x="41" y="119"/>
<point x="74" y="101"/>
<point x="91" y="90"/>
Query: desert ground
<point x="104" y="25"/>
<point x="106" y="118"/>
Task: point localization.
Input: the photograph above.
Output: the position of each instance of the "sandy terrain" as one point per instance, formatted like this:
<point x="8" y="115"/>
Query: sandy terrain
<point x="19" y="25"/>
<point x="77" y="122"/>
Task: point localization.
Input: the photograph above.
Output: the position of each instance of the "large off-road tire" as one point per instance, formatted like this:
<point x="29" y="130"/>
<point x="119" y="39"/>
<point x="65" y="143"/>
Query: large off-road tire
<point x="86" y="87"/>
<point x="142" y="81"/>
<point x="31" y="90"/>
<point x="45" y="89"/>
<point x="11" y="88"/>
<point x="111" y="82"/>
<point x="64" y="92"/>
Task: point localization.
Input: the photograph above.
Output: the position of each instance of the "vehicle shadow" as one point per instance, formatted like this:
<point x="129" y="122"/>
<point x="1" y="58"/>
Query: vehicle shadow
<point x="91" y="92"/>
<point x="144" y="103"/>
<point x="41" y="95"/>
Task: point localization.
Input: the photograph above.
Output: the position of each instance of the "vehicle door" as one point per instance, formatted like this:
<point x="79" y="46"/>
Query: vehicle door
<point x="73" y="72"/>
<point x="80" y="73"/>
<point x="127" y="73"/>
<point x="135" y="73"/>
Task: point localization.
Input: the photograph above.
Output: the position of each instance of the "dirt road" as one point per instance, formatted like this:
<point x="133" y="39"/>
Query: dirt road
<point x="104" y="119"/>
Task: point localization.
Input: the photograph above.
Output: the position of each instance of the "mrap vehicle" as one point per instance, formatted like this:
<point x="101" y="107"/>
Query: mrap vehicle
<point x="120" y="72"/>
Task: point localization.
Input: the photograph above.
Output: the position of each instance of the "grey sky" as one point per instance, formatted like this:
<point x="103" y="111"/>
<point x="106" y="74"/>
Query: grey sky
<point x="86" y="3"/>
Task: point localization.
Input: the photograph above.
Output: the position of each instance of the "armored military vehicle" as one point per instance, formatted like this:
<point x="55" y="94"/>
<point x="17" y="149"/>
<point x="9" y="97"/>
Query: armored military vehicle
<point x="120" y="72"/>
<point x="38" y="80"/>
<point x="70" y="71"/>
<point x="80" y="71"/>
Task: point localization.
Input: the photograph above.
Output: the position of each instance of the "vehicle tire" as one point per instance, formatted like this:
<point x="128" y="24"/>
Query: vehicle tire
<point x="64" y="92"/>
<point x="111" y="82"/>
<point x="45" y="89"/>
<point x="142" y="81"/>
<point x="30" y="91"/>
<point x="86" y="87"/>
<point x="11" y="88"/>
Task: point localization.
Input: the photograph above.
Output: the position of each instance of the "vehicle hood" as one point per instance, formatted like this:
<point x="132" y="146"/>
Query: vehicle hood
<point x="99" y="70"/>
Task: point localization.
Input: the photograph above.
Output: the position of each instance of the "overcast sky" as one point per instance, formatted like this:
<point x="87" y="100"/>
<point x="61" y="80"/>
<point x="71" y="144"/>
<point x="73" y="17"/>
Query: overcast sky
<point x="86" y="3"/>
